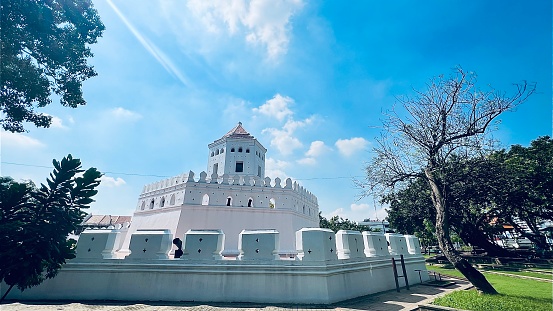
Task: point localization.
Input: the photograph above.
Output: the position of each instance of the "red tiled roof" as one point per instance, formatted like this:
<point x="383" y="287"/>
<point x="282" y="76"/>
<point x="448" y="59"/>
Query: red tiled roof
<point x="238" y="132"/>
<point x="106" y="220"/>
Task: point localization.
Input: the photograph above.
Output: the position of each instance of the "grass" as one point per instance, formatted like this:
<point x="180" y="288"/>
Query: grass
<point x="514" y="294"/>
<point x="526" y="273"/>
<point x="453" y="272"/>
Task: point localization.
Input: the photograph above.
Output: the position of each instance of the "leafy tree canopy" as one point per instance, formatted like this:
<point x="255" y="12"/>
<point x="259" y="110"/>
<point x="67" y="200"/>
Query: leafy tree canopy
<point x="337" y="223"/>
<point x="501" y="188"/>
<point x="35" y="222"/>
<point x="44" y="50"/>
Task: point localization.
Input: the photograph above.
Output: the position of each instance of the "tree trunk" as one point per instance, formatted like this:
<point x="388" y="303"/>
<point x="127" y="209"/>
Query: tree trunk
<point x="442" y="234"/>
<point x="475" y="237"/>
<point x="7" y="292"/>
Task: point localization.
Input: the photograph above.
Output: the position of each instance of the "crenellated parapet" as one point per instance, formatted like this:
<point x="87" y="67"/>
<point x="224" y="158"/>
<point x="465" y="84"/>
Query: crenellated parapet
<point x="312" y="244"/>
<point x="228" y="190"/>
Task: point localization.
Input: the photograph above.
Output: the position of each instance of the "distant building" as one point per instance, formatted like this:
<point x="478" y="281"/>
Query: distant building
<point x="381" y="225"/>
<point x="105" y="222"/>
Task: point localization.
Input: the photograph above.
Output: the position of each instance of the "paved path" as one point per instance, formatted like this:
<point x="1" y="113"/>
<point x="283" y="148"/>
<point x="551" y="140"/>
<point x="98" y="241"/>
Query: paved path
<point x="386" y="301"/>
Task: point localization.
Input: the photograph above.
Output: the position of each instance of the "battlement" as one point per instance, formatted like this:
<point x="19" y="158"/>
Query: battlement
<point x="225" y="190"/>
<point x="250" y="181"/>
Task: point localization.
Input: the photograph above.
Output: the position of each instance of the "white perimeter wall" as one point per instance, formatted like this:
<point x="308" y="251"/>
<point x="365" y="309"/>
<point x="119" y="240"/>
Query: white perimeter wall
<point x="231" y="220"/>
<point x="221" y="281"/>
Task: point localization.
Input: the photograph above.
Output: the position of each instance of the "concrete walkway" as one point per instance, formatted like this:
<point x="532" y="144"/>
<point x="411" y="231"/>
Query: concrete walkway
<point x="386" y="301"/>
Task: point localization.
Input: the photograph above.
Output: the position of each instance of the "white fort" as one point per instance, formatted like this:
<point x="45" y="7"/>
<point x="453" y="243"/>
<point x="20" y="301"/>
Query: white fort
<point x="232" y="196"/>
<point x="245" y="238"/>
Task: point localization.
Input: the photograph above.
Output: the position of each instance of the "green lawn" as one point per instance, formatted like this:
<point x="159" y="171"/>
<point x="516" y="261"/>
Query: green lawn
<point x="514" y="294"/>
<point x="526" y="273"/>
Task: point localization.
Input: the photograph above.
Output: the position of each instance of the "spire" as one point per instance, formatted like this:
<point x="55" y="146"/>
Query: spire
<point x="238" y="132"/>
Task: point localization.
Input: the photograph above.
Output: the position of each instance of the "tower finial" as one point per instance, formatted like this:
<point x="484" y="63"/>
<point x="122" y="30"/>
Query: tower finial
<point x="239" y="123"/>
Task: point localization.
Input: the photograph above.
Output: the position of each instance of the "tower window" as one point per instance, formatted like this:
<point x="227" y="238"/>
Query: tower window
<point x="240" y="149"/>
<point x="232" y="150"/>
<point x="239" y="167"/>
<point x="215" y="168"/>
<point x="217" y="152"/>
<point x="212" y="154"/>
<point x="222" y="150"/>
<point x="247" y="150"/>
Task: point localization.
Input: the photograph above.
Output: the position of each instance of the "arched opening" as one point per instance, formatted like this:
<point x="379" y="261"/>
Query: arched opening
<point x="222" y="150"/>
<point x="232" y="150"/>
<point x="172" y="201"/>
<point x="304" y="209"/>
<point x="272" y="203"/>
<point x="162" y="204"/>
<point x="143" y="206"/>
<point x="250" y="202"/>
<point x="212" y="154"/>
<point x="247" y="150"/>
<point x="217" y="152"/>
<point x="240" y="149"/>
<point x="152" y="204"/>
<point x="229" y="201"/>
<point x="205" y="199"/>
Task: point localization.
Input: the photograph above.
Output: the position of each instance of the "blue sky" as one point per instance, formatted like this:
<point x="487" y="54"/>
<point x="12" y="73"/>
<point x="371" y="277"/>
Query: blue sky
<point x="309" y="79"/>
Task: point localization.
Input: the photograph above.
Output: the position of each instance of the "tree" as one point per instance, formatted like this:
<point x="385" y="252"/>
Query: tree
<point x="336" y="223"/>
<point x="505" y="187"/>
<point x="451" y="118"/>
<point x="528" y="192"/>
<point x="44" y="50"/>
<point x="472" y="185"/>
<point x="35" y="222"/>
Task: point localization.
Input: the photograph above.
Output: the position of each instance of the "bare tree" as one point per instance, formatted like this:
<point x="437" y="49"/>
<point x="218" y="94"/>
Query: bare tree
<point x="451" y="118"/>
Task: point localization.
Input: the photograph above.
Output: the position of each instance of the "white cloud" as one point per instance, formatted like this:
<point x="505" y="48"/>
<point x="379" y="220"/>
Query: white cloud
<point x="124" y="114"/>
<point x="276" y="107"/>
<point x="16" y="140"/>
<point x="275" y="168"/>
<point x="307" y="161"/>
<point x="284" y="139"/>
<point x="348" y="147"/>
<point x="359" y="207"/>
<point x="336" y="212"/>
<point x="316" y="149"/>
<point x="111" y="182"/>
<point x="57" y="123"/>
<point x="260" y="22"/>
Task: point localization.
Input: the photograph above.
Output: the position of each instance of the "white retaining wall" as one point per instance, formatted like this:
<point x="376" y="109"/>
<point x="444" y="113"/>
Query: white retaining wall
<point x="319" y="278"/>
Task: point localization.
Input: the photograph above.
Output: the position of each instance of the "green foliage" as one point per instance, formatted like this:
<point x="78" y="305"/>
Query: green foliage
<point x="336" y="223"/>
<point x="44" y="50"/>
<point x="501" y="186"/>
<point x="528" y="192"/>
<point x="35" y="222"/>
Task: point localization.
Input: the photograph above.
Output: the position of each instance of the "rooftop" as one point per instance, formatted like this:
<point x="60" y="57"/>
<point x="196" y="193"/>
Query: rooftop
<point x="238" y="132"/>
